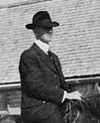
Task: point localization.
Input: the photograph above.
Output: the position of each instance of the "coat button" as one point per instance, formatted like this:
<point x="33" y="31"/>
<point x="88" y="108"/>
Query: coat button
<point x="51" y="58"/>
<point x="44" y="101"/>
<point x="55" y="76"/>
<point x="56" y="86"/>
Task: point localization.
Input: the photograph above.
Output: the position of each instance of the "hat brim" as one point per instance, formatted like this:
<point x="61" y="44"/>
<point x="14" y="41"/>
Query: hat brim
<point x="30" y="26"/>
<point x="52" y="24"/>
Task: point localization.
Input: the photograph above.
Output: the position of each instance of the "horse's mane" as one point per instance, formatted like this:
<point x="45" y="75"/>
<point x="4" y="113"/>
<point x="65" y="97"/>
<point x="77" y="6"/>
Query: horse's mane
<point x="85" y="111"/>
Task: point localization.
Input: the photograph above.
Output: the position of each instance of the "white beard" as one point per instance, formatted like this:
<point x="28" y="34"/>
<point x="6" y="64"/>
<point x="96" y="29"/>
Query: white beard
<point x="47" y="37"/>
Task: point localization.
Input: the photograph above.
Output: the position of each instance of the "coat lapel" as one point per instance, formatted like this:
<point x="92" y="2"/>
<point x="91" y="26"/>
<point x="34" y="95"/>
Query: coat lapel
<point x="56" y="63"/>
<point x="44" y="57"/>
<point x="58" y="68"/>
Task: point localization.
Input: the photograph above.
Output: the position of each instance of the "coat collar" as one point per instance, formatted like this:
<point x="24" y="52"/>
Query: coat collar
<point x="42" y="45"/>
<point x="44" y="57"/>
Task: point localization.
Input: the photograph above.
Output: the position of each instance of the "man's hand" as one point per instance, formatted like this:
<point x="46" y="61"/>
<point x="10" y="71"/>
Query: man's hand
<point x="75" y="95"/>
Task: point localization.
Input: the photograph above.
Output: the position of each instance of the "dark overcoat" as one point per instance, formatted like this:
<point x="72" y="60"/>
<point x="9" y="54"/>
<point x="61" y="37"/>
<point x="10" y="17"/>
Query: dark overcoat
<point x="42" y="84"/>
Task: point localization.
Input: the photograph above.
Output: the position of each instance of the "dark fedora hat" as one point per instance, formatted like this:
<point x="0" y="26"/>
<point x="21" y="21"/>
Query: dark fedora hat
<point x="42" y="18"/>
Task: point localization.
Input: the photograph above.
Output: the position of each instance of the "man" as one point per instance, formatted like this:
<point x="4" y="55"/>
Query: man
<point x="42" y="80"/>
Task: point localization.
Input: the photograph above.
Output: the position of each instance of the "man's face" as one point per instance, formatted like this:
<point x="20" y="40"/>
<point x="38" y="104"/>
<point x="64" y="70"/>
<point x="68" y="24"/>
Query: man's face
<point x="45" y="34"/>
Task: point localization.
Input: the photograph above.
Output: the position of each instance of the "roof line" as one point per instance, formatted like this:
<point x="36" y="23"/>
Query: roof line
<point x="83" y="76"/>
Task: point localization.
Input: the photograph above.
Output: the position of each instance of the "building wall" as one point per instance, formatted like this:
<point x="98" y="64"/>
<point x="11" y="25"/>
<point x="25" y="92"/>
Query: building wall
<point x="76" y="41"/>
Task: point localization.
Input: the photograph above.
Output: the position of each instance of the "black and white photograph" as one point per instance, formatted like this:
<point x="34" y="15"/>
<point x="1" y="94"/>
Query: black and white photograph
<point x="49" y="61"/>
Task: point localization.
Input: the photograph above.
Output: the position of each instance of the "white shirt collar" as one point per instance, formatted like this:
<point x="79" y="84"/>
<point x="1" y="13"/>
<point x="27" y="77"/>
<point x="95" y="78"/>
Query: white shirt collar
<point x="43" y="46"/>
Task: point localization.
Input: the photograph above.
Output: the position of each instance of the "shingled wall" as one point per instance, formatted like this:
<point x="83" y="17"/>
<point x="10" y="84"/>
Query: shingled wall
<point x="76" y="41"/>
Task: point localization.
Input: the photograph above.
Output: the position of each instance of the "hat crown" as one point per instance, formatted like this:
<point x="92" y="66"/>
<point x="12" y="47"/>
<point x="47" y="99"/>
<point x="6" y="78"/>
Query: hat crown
<point x="40" y="17"/>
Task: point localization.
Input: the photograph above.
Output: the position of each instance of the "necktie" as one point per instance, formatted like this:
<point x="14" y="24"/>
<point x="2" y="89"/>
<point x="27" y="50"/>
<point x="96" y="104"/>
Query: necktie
<point x="50" y="55"/>
<point x="52" y="59"/>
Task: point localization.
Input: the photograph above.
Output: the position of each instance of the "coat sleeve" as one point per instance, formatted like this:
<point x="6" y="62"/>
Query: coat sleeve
<point x="33" y="78"/>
